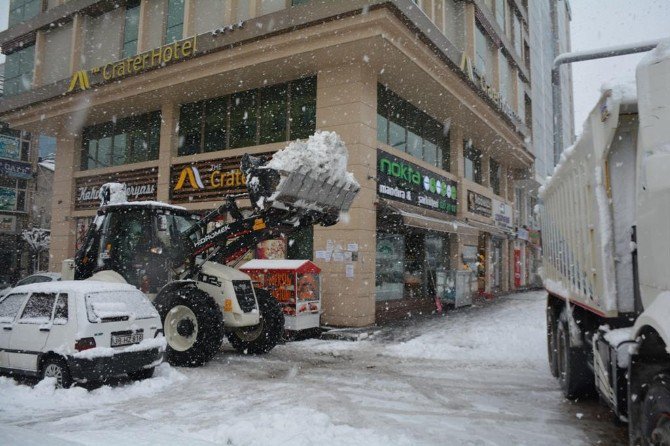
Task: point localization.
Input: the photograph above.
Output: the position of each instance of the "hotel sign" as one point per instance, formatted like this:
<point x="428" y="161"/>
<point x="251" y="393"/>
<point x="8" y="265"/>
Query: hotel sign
<point x="158" y="57"/>
<point x="401" y="180"/>
<point x="209" y="180"/>
<point x="140" y="186"/>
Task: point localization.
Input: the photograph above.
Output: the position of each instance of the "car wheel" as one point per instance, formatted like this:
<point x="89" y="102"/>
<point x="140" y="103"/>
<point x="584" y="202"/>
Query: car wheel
<point x="261" y="338"/>
<point x="193" y="326"/>
<point x="56" y="368"/>
<point x="139" y="375"/>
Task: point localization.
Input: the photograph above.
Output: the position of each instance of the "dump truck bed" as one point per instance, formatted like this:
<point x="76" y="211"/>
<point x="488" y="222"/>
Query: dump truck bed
<point x="588" y="209"/>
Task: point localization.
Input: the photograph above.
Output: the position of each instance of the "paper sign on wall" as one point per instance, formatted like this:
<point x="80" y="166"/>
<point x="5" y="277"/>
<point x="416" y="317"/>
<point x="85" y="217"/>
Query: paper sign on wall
<point x="349" y="271"/>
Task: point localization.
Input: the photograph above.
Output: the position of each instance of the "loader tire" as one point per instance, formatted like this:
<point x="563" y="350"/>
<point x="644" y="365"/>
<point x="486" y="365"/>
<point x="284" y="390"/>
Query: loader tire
<point x="574" y="374"/>
<point x="263" y="337"/>
<point x="193" y="326"/>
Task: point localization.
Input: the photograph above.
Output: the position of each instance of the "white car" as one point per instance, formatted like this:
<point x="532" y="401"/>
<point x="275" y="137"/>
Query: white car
<point x="39" y="277"/>
<point x="79" y="331"/>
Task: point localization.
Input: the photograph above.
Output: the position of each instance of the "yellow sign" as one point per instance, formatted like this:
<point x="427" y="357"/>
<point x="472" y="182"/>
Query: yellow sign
<point x="259" y="224"/>
<point x="191" y="174"/>
<point x="79" y="78"/>
<point x="136" y="64"/>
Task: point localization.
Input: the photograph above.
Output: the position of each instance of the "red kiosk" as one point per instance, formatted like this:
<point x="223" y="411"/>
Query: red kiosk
<point x="295" y="284"/>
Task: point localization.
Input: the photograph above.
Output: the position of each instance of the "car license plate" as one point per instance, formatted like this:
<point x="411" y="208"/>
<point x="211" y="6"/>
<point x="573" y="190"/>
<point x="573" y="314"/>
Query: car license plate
<point x="126" y="339"/>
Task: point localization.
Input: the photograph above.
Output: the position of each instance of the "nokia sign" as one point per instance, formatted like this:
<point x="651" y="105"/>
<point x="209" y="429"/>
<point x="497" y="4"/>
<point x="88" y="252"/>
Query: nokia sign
<point x="401" y="180"/>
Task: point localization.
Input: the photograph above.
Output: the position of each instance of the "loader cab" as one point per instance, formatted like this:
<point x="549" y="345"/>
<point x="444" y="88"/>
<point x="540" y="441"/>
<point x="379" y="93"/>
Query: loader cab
<point x="143" y="243"/>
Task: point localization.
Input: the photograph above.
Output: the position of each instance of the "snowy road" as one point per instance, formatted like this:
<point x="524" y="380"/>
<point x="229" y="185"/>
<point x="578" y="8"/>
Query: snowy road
<point x="476" y="377"/>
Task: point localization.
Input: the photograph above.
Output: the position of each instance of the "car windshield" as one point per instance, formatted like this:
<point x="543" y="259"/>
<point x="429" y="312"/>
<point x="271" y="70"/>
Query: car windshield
<point x="110" y="306"/>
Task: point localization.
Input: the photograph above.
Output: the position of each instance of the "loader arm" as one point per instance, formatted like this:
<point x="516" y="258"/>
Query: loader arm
<point x="283" y="204"/>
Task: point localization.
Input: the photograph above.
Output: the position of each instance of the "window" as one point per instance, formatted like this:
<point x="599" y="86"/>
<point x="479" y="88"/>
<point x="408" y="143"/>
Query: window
<point x="174" y="26"/>
<point x="473" y="163"/>
<point x="61" y="312"/>
<point x="19" y="71"/>
<point x="501" y="13"/>
<point x="516" y="30"/>
<point x="129" y="140"/>
<point x="406" y="128"/>
<point x="131" y="28"/>
<point x="12" y="194"/>
<point x="111" y="306"/>
<point x="22" y="10"/>
<point x="10" y="307"/>
<point x="495" y="175"/>
<point x="483" y="55"/>
<point x="38" y="308"/>
<point x="271" y="114"/>
<point x="268" y="6"/>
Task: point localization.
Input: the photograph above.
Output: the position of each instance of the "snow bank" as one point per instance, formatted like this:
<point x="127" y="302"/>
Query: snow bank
<point x="20" y="398"/>
<point x="504" y="337"/>
<point x="322" y="153"/>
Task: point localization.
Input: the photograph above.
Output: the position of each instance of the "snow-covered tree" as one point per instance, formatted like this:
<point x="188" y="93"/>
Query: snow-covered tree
<point x="38" y="240"/>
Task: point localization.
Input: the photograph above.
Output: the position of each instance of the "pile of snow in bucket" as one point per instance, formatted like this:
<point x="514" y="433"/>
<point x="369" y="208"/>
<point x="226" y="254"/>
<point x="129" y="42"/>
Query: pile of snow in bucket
<point x="323" y="153"/>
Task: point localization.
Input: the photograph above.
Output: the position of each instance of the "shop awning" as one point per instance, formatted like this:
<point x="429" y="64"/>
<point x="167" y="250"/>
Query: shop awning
<point x="430" y="220"/>
<point x="491" y="229"/>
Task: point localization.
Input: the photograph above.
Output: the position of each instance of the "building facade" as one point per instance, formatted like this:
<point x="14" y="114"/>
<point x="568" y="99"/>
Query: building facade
<point x="432" y="98"/>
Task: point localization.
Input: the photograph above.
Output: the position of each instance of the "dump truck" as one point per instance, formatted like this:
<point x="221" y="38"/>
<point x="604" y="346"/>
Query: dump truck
<point x="180" y="259"/>
<point x="606" y="254"/>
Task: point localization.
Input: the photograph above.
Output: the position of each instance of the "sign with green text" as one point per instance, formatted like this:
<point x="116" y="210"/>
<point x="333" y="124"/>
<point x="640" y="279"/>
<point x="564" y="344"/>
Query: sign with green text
<point x="401" y="180"/>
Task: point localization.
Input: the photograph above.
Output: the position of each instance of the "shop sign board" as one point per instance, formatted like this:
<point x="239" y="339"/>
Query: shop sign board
<point x="209" y="180"/>
<point x="140" y="186"/>
<point x="7" y="199"/>
<point x="401" y="180"/>
<point x="16" y="169"/>
<point x="523" y="234"/>
<point x="10" y="147"/>
<point x="479" y="204"/>
<point x="535" y="237"/>
<point x="502" y="215"/>
<point x="7" y="224"/>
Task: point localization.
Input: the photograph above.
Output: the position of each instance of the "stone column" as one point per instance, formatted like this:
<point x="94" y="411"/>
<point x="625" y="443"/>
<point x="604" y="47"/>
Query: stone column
<point x="63" y="226"/>
<point x="40" y="42"/>
<point x="76" y="43"/>
<point x="347" y="104"/>
<point x="167" y="148"/>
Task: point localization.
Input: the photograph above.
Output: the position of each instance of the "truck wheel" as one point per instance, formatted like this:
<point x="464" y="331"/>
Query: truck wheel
<point x="56" y="368"/>
<point x="193" y="326"/>
<point x="574" y="375"/>
<point x="552" y="353"/>
<point x="656" y="412"/>
<point x="263" y="337"/>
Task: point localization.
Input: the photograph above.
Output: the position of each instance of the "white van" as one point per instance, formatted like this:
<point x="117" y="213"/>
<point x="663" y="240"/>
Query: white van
<point x="79" y="331"/>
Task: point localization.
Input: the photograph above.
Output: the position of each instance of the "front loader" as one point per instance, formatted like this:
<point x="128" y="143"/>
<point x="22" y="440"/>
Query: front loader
<point x="179" y="259"/>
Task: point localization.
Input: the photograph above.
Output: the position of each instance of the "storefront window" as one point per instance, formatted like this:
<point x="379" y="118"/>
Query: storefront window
<point x="129" y="140"/>
<point x="12" y="194"/>
<point x="260" y="116"/>
<point x="389" y="280"/>
<point x="408" y="129"/>
<point x="19" y="71"/>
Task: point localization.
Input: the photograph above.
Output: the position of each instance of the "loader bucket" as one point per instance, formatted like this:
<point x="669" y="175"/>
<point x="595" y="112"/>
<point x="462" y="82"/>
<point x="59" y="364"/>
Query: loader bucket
<point x="299" y="191"/>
